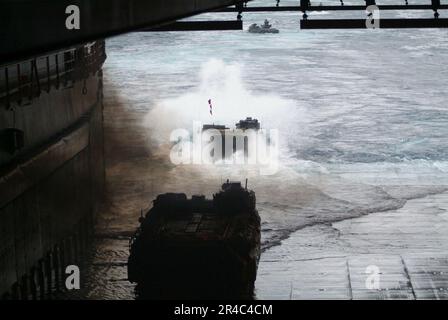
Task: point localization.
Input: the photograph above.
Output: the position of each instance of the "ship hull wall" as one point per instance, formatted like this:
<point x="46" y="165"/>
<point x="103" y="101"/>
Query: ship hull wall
<point x="50" y="189"/>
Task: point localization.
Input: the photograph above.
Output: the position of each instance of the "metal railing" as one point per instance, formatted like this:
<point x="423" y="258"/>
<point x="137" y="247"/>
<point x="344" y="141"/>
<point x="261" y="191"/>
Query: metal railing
<point x="23" y="81"/>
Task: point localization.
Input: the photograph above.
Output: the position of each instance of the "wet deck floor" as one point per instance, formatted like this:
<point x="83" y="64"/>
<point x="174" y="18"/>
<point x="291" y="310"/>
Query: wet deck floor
<point x="329" y="261"/>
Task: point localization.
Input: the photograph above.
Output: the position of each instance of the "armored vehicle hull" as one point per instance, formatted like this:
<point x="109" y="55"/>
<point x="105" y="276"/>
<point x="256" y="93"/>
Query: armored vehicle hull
<point x="197" y="248"/>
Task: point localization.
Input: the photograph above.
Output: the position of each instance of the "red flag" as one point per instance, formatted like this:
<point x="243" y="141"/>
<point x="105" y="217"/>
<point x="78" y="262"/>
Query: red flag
<point x="211" y="107"/>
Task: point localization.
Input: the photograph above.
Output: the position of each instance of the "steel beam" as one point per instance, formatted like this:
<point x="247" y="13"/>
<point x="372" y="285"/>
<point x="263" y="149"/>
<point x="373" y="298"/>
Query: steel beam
<point x="199" y="26"/>
<point x="383" y="23"/>
<point x="332" y="8"/>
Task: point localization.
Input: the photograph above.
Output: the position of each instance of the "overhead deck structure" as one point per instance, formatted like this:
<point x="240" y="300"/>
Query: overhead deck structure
<point x="307" y="6"/>
<point x="340" y="7"/>
<point x="30" y="27"/>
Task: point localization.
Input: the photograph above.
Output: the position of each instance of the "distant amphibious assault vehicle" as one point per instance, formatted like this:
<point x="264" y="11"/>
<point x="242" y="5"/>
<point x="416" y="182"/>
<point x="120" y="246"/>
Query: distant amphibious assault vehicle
<point x="198" y="247"/>
<point x="266" y="27"/>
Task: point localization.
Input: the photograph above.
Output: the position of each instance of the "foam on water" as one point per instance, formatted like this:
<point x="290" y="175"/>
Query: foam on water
<point x="231" y="100"/>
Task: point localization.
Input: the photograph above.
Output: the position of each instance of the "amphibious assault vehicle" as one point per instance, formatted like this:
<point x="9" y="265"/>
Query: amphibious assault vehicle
<point x="266" y="27"/>
<point x="198" y="247"/>
<point x="249" y="123"/>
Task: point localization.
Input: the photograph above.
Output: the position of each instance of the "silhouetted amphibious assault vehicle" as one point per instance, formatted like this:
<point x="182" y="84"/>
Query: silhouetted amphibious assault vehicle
<point x="249" y="123"/>
<point x="198" y="247"/>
